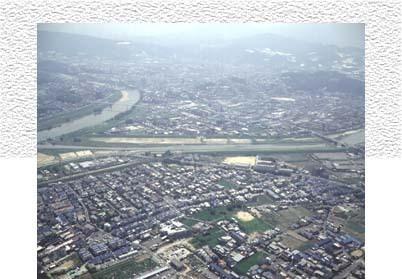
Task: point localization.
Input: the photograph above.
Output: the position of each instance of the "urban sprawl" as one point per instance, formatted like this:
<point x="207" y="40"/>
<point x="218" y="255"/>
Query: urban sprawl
<point x="246" y="164"/>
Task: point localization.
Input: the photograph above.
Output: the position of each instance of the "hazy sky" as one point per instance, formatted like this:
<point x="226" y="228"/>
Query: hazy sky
<point x="327" y="33"/>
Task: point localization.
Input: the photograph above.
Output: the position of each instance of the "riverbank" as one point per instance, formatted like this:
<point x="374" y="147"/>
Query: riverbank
<point x="59" y="119"/>
<point x="127" y="100"/>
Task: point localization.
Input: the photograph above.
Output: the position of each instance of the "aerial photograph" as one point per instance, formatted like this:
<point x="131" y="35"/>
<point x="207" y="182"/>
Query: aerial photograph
<point x="200" y="150"/>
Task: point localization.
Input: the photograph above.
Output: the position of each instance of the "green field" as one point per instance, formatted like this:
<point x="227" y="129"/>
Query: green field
<point x="289" y="240"/>
<point x="355" y="224"/>
<point x="188" y="222"/>
<point x="255" y="225"/>
<point x="124" y="270"/>
<point x="210" y="239"/>
<point x="214" y="214"/>
<point x="243" y="266"/>
<point x="355" y="227"/>
<point x="287" y="217"/>
<point x="225" y="213"/>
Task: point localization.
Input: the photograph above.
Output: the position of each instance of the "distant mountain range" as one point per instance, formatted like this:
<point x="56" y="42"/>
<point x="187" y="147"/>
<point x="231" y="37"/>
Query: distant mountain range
<point x="72" y="44"/>
<point x="266" y="49"/>
<point x="331" y="81"/>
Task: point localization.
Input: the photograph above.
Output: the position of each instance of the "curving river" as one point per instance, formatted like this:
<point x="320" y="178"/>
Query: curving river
<point x="128" y="99"/>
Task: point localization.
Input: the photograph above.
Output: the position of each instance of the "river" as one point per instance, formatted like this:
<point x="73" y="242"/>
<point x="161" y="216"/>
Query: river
<point x="350" y="137"/>
<point x="128" y="99"/>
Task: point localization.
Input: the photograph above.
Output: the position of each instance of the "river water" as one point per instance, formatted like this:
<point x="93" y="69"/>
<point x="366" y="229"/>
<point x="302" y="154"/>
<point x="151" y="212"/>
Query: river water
<point x="126" y="102"/>
<point x="354" y="138"/>
<point x="350" y="137"/>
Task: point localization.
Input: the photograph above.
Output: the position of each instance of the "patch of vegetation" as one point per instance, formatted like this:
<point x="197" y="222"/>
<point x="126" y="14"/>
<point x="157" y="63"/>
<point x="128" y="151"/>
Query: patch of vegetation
<point x="213" y="214"/>
<point x="306" y="245"/>
<point x="263" y="199"/>
<point x="243" y="266"/>
<point x="188" y="222"/>
<point x="125" y="270"/>
<point x="341" y="214"/>
<point x="210" y="239"/>
<point x="227" y="184"/>
<point x="285" y="218"/>
<point x="222" y="213"/>
<point x="291" y="241"/>
<point x="355" y="225"/>
<point x="68" y="264"/>
<point x="271" y="220"/>
<point x="255" y="225"/>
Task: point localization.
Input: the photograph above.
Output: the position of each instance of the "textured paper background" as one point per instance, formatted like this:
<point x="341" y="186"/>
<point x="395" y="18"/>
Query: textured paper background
<point x="18" y="53"/>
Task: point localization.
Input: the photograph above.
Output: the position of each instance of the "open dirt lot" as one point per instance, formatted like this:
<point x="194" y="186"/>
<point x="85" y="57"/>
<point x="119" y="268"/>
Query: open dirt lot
<point x="240" y="160"/>
<point x="44" y="159"/>
<point x="244" y="216"/>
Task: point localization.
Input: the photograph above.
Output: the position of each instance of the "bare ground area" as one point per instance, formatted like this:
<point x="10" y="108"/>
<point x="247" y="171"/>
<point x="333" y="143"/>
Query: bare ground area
<point x="244" y="216"/>
<point x="44" y="159"/>
<point x="240" y="160"/>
